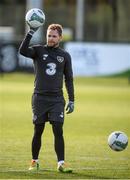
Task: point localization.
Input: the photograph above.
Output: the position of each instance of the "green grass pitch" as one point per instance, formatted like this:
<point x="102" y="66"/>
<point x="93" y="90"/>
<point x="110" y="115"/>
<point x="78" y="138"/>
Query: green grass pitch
<point x="102" y="106"/>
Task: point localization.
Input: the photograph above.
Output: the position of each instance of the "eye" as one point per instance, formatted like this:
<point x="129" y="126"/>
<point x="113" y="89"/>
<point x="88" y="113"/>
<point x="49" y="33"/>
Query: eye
<point x="54" y="36"/>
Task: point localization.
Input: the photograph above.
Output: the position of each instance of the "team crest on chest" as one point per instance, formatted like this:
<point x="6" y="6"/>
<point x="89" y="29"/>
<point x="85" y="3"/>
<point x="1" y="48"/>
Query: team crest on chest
<point x="60" y="59"/>
<point x="45" y="56"/>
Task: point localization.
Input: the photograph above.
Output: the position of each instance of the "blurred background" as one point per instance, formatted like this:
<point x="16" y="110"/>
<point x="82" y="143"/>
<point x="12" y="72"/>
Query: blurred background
<point x="96" y="33"/>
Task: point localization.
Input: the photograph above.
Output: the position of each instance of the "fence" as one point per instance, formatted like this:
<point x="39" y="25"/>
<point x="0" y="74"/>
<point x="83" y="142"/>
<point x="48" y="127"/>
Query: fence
<point x="88" y="59"/>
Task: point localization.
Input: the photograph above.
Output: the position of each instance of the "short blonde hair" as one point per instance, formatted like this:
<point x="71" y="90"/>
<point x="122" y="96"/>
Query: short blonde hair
<point x="57" y="27"/>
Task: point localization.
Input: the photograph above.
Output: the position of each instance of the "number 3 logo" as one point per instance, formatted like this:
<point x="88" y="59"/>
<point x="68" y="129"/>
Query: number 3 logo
<point x="51" y="69"/>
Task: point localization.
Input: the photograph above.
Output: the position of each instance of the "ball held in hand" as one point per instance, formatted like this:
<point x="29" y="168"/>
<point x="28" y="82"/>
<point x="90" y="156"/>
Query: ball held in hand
<point x="35" y="18"/>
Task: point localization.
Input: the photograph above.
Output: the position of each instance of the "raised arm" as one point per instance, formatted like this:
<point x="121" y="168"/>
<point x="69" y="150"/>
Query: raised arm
<point x="24" y="49"/>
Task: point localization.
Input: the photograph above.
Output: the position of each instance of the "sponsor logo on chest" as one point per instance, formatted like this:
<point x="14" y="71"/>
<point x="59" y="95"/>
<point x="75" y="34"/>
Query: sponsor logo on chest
<point x="45" y="56"/>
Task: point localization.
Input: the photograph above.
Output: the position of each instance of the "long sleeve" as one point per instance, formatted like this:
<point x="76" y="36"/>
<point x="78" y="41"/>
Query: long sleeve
<point x="69" y="78"/>
<point x="24" y="49"/>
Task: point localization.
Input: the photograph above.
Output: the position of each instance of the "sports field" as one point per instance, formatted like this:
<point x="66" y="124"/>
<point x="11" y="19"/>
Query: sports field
<point x="102" y="106"/>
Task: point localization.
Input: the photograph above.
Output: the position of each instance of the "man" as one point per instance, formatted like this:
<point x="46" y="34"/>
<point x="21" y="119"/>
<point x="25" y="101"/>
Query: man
<point x="52" y="65"/>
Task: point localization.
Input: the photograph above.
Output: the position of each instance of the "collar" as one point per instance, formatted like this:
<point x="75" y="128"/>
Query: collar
<point x="51" y="48"/>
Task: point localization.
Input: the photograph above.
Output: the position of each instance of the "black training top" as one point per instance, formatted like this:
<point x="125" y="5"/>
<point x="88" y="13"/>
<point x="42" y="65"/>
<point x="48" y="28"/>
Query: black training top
<point x="51" y="65"/>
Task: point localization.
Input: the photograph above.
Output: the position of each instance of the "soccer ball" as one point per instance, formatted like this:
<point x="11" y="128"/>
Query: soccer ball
<point x="118" y="141"/>
<point x="35" y="18"/>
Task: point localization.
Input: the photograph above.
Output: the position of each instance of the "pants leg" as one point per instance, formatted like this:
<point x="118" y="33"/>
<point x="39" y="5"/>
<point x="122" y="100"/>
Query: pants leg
<point x="36" y="141"/>
<point x="57" y="128"/>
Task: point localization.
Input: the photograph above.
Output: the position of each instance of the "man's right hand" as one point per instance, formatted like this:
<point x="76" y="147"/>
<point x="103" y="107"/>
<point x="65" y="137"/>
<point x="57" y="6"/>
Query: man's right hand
<point x="32" y="30"/>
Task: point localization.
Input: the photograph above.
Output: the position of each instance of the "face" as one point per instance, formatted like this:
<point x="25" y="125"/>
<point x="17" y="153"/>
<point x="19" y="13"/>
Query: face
<point x="53" y="38"/>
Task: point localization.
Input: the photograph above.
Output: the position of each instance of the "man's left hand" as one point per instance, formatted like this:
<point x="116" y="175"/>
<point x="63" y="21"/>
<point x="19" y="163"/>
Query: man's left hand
<point x="70" y="107"/>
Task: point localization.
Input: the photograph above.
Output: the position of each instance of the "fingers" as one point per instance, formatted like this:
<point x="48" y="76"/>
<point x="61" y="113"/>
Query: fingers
<point x="32" y="30"/>
<point x="67" y="108"/>
<point x="69" y="111"/>
<point x="70" y="108"/>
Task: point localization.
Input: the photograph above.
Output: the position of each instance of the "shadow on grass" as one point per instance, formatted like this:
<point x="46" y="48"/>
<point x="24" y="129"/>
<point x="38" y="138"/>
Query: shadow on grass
<point x="47" y="174"/>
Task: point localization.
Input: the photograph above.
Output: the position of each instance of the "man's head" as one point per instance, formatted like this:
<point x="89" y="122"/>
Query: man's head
<point x="54" y="35"/>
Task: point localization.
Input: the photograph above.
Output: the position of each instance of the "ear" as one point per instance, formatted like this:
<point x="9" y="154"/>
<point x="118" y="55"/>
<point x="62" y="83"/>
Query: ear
<point x="61" y="37"/>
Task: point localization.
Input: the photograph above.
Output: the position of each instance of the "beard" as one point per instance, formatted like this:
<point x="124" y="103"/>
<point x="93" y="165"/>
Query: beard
<point x="52" y="44"/>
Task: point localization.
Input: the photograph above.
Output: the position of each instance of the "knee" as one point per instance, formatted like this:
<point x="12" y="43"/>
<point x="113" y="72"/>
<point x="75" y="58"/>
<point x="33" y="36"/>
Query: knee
<point x="58" y="131"/>
<point x="38" y="130"/>
<point x="37" y="134"/>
